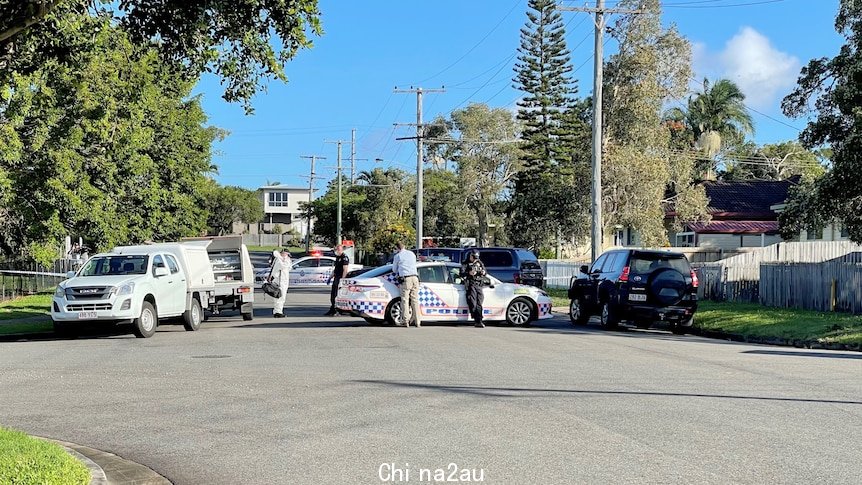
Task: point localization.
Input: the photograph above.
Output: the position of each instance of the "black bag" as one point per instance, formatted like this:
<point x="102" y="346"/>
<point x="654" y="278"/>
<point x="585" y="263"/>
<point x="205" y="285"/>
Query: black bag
<point x="271" y="289"/>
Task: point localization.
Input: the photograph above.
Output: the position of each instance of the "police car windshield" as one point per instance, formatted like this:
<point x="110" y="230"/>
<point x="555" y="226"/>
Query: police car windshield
<point x="115" y="265"/>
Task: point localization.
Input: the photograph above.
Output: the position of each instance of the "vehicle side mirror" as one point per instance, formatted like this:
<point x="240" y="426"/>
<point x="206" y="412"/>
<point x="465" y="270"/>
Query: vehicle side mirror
<point x="459" y="281"/>
<point x="585" y="269"/>
<point x="70" y="274"/>
<point x="161" y="271"/>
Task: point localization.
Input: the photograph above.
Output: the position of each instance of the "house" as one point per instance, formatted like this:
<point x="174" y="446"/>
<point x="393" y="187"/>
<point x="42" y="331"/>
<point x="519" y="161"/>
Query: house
<point x="834" y="231"/>
<point x="281" y="207"/>
<point x="742" y="214"/>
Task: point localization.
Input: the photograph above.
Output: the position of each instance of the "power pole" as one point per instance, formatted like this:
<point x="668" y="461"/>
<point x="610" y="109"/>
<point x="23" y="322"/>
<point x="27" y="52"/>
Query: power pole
<point x="353" y="156"/>
<point x="419" y="156"/>
<point x="338" y="216"/>
<point x="311" y="179"/>
<point x="598" y="65"/>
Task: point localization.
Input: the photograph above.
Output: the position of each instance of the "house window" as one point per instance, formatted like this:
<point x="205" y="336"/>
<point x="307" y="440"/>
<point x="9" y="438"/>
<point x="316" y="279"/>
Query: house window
<point x="685" y="239"/>
<point x="619" y="237"/>
<point x="278" y="199"/>
<point x="814" y="233"/>
<point x="845" y="233"/>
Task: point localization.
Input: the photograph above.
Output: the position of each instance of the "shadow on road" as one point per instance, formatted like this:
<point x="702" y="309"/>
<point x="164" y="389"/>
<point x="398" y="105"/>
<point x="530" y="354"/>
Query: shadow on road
<point x="532" y="392"/>
<point x="792" y="353"/>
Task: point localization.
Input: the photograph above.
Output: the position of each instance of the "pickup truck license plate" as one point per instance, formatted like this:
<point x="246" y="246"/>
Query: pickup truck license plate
<point x="635" y="297"/>
<point x="86" y="315"/>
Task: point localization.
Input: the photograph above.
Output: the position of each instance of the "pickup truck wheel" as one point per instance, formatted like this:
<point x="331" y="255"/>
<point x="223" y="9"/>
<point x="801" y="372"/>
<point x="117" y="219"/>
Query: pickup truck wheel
<point x="609" y="317"/>
<point x="578" y="312"/>
<point x="193" y="317"/>
<point x="145" y="325"/>
<point x="247" y="316"/>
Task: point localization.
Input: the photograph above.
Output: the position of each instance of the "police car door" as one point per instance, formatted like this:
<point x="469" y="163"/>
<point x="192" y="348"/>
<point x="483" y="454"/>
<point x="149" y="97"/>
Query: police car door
<point x="325" y="268"/>
<point x="460" y="292"/>
<point x="438" y="299"/>
<point x="303" y="272"/>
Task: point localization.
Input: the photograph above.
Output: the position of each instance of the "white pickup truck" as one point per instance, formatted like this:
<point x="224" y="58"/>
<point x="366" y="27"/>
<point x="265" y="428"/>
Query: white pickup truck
<point x="139" y="285"/>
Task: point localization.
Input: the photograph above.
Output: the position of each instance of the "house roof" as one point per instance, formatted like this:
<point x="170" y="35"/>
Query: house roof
<point x="735" y="227"/>
<point x="750" y="199"/>
<point x="283" y="187"/>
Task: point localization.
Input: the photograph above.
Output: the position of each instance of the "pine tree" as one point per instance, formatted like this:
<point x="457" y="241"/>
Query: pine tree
<point x="552" y="127"/>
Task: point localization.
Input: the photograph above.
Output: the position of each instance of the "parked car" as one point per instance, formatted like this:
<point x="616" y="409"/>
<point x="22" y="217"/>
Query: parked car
<point x="638" y="286"/>
<point x="375" y="297"/>
<point x="315" y="271"/>
<point x="141" y="285"/>
<point x="509" y="265"/>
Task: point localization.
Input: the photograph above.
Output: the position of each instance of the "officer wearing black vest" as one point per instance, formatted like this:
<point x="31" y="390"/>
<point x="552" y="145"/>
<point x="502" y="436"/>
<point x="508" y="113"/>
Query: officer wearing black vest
<point x="473" y="273"/>
<point x="340" y="271"/>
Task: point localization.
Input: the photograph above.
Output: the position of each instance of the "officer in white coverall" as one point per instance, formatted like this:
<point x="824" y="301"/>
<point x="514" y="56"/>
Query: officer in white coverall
<point x="280" y="275"/>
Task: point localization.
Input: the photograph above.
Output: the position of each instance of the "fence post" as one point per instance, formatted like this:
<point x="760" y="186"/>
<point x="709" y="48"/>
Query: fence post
<point x="833" y="296"/>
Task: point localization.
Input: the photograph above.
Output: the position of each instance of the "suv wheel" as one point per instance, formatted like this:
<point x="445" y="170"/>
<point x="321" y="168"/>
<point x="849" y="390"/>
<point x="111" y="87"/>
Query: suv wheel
<point x="578" y="313"/>
<point x="609" y="317"/>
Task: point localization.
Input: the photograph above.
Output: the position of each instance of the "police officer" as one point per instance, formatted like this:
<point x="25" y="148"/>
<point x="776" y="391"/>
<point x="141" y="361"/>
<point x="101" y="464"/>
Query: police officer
<point x="473" y="273"/>
<point x="340" y="271"/>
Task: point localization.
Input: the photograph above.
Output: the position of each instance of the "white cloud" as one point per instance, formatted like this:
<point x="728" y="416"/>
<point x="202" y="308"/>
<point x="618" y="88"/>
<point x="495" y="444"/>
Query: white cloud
<point x="764" y="73"/>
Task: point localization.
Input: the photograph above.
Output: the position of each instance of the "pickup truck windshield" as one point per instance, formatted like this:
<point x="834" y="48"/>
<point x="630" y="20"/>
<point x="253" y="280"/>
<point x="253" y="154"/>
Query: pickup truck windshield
<point x="115" y="265"/>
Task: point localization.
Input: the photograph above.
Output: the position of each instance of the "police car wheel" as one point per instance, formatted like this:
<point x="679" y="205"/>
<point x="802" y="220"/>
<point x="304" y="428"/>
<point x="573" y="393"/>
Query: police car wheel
<point x="393" y="312"/>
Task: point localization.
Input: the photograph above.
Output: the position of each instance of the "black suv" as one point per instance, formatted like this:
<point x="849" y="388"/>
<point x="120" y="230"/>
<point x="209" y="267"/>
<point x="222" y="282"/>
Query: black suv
<point x="638" y="286"/>
<point x="509" y="265"/>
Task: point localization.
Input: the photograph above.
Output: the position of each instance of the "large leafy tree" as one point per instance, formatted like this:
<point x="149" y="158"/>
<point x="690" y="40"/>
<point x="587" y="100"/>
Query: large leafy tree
<point x="227" y="205"/>
<point x="553" y="123"/>
<point x="642" y="176"/>
<point x="244" y="42"/>
<point x="835" y="88"/>
<point x="774" y="161"/>
<point x="108" y="145"/>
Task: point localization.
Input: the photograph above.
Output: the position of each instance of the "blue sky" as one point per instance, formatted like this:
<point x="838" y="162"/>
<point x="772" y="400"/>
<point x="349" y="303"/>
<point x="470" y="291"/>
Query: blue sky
<point x="370" y="47"/>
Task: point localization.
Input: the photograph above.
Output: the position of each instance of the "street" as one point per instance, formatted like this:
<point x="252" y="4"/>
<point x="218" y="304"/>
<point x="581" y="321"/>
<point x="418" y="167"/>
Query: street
<point x="310" y="399"/>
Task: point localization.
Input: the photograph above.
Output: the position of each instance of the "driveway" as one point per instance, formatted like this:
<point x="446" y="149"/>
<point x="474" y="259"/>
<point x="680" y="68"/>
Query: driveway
<point x="310" y="399"/>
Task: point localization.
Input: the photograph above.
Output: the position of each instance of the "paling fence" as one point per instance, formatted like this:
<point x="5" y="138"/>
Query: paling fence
<point x="827" y="286"/>
<point x="559" y="272"/>
<point x="741" y="278"/>
<point x="23" y="278"/>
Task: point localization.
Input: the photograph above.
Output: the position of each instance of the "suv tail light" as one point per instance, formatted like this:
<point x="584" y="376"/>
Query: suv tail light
<point x="624" y="276"/>
<point x="516" y="278"/>
<point x="694" y="281"/>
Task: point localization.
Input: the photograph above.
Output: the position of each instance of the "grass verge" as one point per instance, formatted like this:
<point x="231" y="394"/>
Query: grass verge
<point x="26" y="460"/>
<point x="560" y="296"/>
<point x="26" y="307"/>
<point x="752" y="320"/>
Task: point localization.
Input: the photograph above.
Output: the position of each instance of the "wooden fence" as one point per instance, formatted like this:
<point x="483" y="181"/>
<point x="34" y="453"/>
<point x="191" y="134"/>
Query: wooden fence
<point x="828" y="286"/>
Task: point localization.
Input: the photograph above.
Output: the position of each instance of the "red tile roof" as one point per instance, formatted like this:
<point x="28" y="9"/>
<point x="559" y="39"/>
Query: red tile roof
<point x="735" y="227"/>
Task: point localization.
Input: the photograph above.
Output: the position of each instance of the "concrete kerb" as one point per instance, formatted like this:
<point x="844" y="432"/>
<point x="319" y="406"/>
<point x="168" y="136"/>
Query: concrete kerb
<point x="109" y="469"/>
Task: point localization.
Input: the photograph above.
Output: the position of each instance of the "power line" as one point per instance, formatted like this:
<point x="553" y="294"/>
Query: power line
<point x="746" y="4"/>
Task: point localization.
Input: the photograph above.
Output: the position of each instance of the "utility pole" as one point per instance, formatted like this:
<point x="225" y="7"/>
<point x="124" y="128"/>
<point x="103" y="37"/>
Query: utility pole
<point x="353" y="156"/>
<point x="419" y="156"/>
<point x="311" y="179"/>
<point x="598" y="65"/>
<point x="338" y="216"/>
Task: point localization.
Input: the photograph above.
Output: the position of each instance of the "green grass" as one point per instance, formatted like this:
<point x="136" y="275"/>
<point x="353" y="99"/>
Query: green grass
<point x="752" y="320"/>
<point x="27" y="460"/>
<point x="559" y="296"/>
<point x="26" y="307"/>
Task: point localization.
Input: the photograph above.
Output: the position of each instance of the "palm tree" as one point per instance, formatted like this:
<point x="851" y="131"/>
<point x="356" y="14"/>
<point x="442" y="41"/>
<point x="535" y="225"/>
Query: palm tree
<point x="716" y="116"/>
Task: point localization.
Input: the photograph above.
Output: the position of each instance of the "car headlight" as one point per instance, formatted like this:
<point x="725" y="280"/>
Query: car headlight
<point x="126" y="289"/>
<point x="60" y="292"/>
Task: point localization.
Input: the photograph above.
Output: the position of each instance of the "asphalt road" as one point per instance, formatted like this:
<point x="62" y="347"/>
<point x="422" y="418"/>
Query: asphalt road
<point x="310" y="399"/>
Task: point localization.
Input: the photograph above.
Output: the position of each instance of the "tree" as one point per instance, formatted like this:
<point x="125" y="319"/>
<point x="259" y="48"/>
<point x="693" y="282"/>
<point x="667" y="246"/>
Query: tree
<point x="229" y="205"/>
<point x="553" y="123"/>
<point x="445" y="212"/>
<point x="835" y="87"/>
<point x="232" y="39"/>
<point x="109" y="145"/>
<point x="642" y="177"/>
<point x="777" y="161"/>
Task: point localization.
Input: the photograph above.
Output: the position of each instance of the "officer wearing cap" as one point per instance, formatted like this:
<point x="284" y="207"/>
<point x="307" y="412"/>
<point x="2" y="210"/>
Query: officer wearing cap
<point x="473" y="273"/>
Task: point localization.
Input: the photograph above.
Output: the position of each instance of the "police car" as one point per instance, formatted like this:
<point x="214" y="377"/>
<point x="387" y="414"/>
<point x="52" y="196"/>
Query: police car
<point x="308" y="271"/>
<point x="375" y="297"/>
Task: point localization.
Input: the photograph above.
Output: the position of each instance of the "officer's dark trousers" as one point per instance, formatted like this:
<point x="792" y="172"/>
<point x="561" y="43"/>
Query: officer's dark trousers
<point x="334" y="292"/>
<point x="475" y="298"/>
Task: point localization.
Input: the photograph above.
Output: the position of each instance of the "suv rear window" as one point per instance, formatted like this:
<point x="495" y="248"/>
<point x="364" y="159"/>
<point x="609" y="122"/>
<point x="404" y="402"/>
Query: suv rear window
<point x="528" y="259"/>
<point x="496" y="259"/>
<point x="648" y="262"/>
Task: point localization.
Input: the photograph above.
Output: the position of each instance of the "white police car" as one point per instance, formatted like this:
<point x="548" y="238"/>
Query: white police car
<point x="308" y="271"/>
<point x="375" y="297"/>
